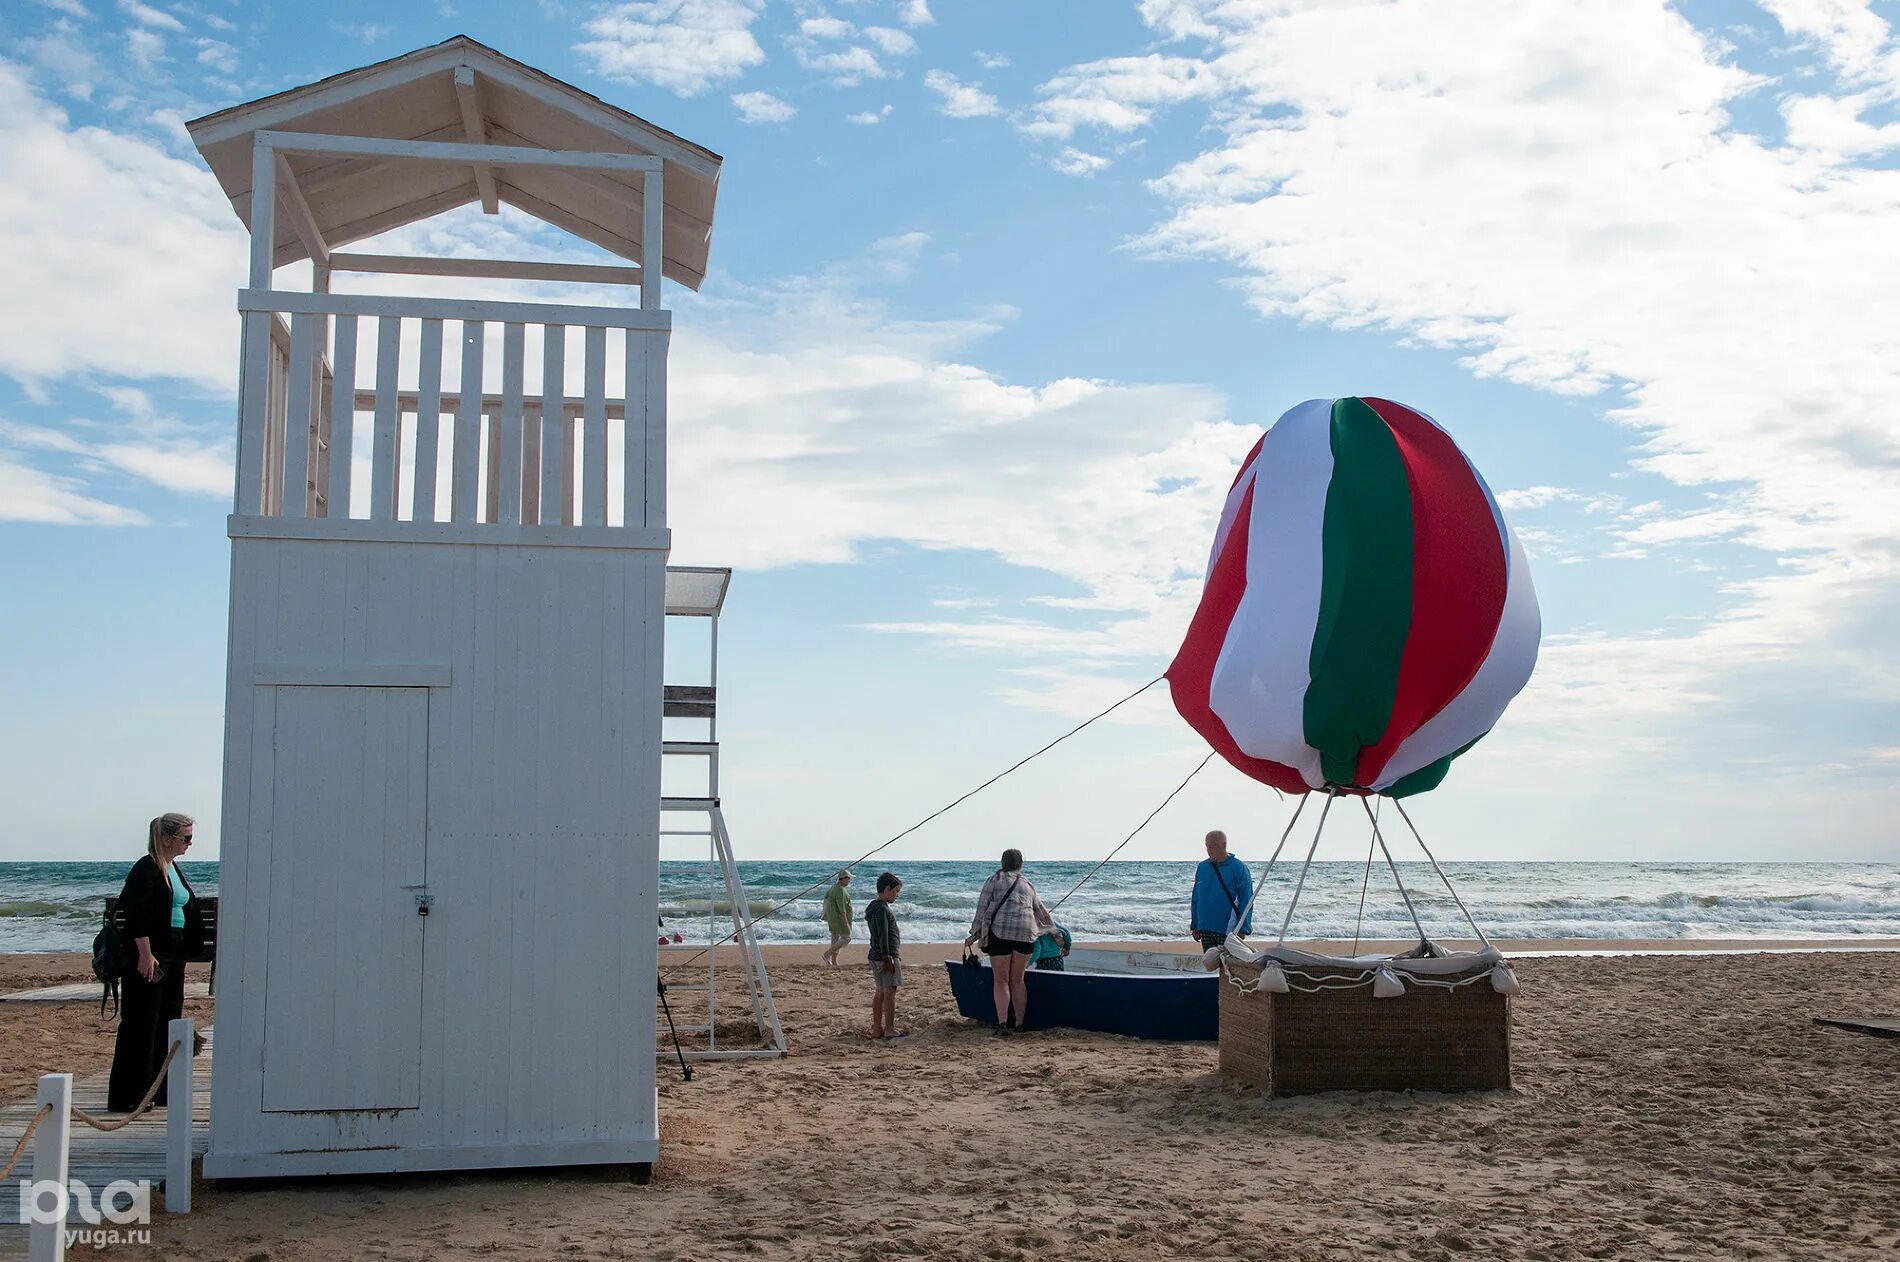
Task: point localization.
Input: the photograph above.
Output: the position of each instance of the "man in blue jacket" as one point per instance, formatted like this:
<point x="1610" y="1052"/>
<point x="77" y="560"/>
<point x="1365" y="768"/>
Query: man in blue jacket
<point x="1222" y="888"/>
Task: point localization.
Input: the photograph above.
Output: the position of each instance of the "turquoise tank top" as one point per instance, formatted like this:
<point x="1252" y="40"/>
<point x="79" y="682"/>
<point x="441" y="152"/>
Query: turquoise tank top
<point x="179" y="895"/>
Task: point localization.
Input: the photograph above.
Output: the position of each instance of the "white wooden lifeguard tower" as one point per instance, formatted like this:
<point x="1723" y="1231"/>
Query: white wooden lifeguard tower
<point x="449" y="545"/>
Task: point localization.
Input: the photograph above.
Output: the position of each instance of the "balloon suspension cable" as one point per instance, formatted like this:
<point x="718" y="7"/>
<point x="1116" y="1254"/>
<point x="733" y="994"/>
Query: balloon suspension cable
<point x="943" y="810"/>
<point x="1267" y="871"/>
<point x="1311" y="851"/>
<point x="1396" y="880"/>
<point x="1131" y="836"/>
<point x="1365" y="882"/>
<point x="1469" y="918"/>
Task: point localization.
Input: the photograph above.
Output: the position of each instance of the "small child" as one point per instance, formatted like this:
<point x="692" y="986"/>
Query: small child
<point x="1050" y="948"/>
<point x="887" y="972"/>
<point x="838" y="917"/>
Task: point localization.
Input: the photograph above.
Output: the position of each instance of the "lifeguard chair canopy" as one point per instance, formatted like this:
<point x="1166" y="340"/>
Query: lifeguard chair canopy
<point x="463" y="92"/>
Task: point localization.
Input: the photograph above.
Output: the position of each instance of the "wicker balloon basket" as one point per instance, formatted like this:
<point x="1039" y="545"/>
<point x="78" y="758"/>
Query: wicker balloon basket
<point x="1431" y="1038"/>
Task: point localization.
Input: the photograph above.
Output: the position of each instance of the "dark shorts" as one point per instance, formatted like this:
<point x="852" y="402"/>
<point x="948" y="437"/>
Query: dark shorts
<point x="1208" y="938"/>
<point x="995" y="946"/>
<point x="1051" y="965"/>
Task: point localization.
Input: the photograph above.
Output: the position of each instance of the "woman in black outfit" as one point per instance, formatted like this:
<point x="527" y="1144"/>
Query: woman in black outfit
<point x="162" y="927"/>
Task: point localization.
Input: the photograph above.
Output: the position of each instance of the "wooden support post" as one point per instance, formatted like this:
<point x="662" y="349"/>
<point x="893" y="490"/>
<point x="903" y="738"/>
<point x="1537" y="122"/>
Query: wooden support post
<point x="297" y="210"/>
<point x="178" y="1110"/>
<point x="652" y="238"/>
<point x="52" y="1143"/>
<point x="254" y="408"/>
<point x="468" y="96"/>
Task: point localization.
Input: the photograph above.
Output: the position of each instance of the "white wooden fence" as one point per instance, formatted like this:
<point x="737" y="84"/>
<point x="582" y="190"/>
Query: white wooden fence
<point x="52" y="1136"/>
<point x="432" y="410"/>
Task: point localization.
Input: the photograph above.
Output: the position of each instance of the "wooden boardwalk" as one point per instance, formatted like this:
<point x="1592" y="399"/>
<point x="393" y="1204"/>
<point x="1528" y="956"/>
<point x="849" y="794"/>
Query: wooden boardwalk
<point x="1886" y="1027"/>
<point x="76" y="992"/>
<point x="98" y="1157"/>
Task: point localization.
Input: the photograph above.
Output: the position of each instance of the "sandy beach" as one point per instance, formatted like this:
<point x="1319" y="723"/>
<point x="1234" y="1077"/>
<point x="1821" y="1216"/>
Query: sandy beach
<point x="1676" y="1106"/>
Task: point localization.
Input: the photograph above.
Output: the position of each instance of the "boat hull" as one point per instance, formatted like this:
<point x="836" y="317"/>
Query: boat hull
<point x="1175" y="1006"/>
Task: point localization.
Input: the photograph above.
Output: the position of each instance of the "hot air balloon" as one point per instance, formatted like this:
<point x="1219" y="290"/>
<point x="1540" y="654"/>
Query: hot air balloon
<point x="1367" y="616"/>
<point x="1368" y="612"/>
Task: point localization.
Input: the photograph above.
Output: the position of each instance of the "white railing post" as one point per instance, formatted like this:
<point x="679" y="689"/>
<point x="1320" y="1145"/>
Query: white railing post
<point x="46" y="1238"/>
<point x="254" y="406"/>
<point x="178" y="1111"/>
<point x="652" y="237"/>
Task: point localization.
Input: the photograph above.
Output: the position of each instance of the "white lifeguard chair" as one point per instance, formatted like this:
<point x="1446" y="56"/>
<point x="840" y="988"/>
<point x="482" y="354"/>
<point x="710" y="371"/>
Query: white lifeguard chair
<point x="449" y="547"/>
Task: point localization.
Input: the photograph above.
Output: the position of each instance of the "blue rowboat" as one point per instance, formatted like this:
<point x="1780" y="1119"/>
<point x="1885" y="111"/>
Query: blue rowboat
<point x="1142" y="994"/>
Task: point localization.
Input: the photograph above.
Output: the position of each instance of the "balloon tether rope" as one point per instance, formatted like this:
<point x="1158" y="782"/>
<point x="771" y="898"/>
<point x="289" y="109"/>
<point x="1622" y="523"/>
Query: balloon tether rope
<point x="1311" y="851"/>
<point x="1396" y="879"/>
<point x="745" y="928"/>
<point x="1131" y="836"/>
<point x="1469" y="918"/>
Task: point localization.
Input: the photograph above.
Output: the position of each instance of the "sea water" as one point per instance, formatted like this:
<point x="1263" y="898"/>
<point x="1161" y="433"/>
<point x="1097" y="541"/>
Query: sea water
<point x="56" y="906"/>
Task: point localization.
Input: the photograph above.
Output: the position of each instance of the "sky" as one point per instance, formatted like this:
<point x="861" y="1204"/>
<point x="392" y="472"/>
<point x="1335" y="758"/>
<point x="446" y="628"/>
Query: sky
<point x="1001" y="292"/>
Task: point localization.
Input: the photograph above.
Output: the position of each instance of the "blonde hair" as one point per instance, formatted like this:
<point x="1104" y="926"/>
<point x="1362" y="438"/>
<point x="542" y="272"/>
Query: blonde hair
<point x="166" y="827"/>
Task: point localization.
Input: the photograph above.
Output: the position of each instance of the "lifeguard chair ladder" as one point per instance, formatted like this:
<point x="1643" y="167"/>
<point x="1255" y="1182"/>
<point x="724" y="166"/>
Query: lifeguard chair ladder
<point x="700" y="593"/>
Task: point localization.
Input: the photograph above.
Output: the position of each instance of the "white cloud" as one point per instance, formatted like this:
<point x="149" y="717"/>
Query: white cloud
<point x="218" y="55"/>
<point x="762" y="107"/>
<point x="71" y="8"/>
<point x="140" y="440"/>
<point x="362" y="32"/>
<point x="145" y="47"/>
<point x="1833" y="125"/>
<point x="146" y="15"/>
<point x="1073" y="161"/>
<point x="826" y="27"/>
<point x="828" y="425"/>
<point x="685" y="46"/>
<point x="28" y="494"/>
<point x="891" y="41"/>
<point x="845" y="68"/>
<point x="961" y="100"/>
<point x="1119" y="93"/>
<point x="914" y="12"/>
<point x="991" y="61"/>
<point x="109" y="232"/>
<point x="66" y="57"/>
<point x="1851" y="35"/>
<point x="869" y="118"/>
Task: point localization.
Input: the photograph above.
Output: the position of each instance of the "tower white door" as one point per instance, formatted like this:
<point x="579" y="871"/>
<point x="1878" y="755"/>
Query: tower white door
<point x="348" y="819"/>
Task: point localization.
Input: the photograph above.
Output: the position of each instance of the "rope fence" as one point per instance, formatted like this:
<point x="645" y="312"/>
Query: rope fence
<point x="46" y="1111"/>
<point x="49" y="1132"/>
<point x="145" y="1105"/>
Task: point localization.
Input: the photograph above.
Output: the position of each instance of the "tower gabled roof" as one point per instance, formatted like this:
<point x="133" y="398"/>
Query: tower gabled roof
<point x="414" y="97"/>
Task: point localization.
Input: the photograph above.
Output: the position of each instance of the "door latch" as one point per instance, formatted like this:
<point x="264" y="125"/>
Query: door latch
<point x="423" y="903"/>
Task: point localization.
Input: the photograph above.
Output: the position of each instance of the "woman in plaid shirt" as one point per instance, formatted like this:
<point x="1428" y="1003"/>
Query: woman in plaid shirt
<point x="1009" y="919"/>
